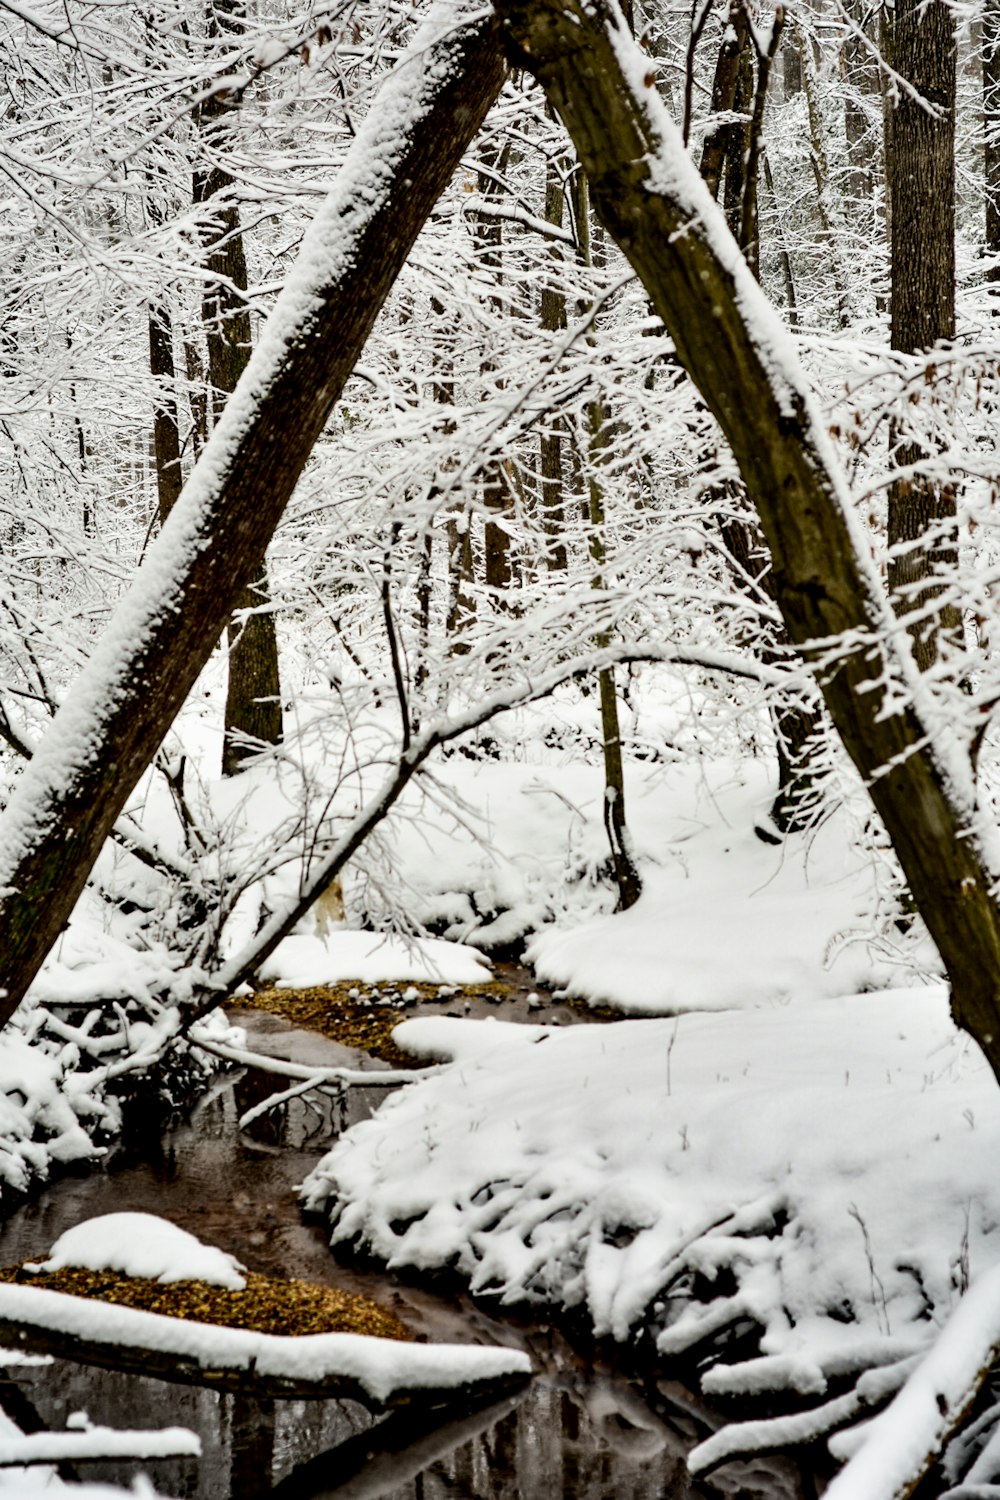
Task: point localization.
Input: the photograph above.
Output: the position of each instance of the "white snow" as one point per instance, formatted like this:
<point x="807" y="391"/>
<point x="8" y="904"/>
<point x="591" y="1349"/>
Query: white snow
<point x="98" y="1442"/>
<point x="370" y="957"/>
<point x="838" y="1155"/>
<point x="703" y="934"/>
<point x="381" y="1366"/>
<point x="143" y="1245"/>
<point x="898" y="1442"/>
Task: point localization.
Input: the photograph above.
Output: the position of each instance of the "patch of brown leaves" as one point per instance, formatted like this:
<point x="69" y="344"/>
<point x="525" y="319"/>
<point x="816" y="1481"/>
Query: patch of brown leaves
<point x="266" y="1305"/>
<point x="360" y="1021"/>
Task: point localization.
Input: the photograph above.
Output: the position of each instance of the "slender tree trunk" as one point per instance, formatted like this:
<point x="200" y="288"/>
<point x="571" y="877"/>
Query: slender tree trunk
<point x="860" y="76"/>
<point x="117" y="712"/>
<point x="461" y="601"/>
<point x="921" y="145"/>
<point x="197" y="397"/>
<point x="795" y="720"/>
<point x="825" y="205"/>
<point x="627" y="876"/>
<point x="552" y="313"/>
<point x="731" y="62"/>
<point x="253" y="695"/>
<point x="826" y="586"/>
<point x="496" y="497"/>
<point x="786" y="261"/>
<point x="166" y="438"/>
<point x="991" y="122"/>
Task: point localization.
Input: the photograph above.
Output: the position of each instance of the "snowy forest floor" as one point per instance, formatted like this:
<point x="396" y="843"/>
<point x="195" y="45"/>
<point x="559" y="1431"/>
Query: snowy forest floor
<point x="780" y="1163"/>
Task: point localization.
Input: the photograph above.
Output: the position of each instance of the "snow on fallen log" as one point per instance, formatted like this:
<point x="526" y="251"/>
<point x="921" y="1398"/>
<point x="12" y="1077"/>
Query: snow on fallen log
<point x="94" y="1444"/>
<point x="904" y="1441"/>
<point x="376" y="1371"/>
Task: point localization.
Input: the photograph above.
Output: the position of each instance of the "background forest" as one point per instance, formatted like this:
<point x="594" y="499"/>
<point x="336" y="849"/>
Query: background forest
<point x="520" y="482"/>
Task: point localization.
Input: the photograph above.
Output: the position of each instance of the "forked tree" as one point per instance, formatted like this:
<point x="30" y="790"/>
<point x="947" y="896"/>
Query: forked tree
<point x="653" y="201"/>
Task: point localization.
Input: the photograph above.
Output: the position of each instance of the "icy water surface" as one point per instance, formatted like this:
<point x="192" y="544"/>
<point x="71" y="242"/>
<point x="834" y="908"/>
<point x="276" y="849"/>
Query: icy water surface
<point x="580" y="1431"/>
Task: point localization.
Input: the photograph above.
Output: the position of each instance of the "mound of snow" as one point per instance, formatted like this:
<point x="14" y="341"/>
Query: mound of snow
<point x="143" y="1245"/>
<point x="371" y="957"/>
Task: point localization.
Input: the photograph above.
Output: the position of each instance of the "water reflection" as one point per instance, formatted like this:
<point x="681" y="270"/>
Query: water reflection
<point x="582" y="1430"/>
<point x="588" y="1435"/>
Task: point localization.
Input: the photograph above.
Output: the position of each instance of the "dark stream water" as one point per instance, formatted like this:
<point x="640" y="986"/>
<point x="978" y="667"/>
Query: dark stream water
<point x="582" y="1430"/>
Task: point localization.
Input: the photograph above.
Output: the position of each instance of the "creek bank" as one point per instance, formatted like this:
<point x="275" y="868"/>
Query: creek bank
<point x="585" y="1429"/>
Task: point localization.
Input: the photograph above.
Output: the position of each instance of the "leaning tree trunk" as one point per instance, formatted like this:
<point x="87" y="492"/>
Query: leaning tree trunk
<point x="735" y="348"/>
<point x="212" y="547"/>
<point x="921" y="145"/>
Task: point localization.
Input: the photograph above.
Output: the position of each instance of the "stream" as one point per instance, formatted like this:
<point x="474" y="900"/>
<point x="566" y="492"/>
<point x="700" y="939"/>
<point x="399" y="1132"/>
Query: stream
<point x="581" y="1430"/>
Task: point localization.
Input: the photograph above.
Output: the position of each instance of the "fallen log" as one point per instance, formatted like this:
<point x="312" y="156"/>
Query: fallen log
<point x="379" y="1373"/>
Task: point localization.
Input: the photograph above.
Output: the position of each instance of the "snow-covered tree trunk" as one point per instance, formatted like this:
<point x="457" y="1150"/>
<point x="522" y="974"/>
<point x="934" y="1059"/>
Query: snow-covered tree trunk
<point x="213" y="545"/>
<point x="651" y="198"/>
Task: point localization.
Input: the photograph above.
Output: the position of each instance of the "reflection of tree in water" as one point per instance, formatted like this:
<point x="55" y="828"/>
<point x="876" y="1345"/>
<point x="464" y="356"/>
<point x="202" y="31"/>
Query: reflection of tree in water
<point x="581" y="1435"/>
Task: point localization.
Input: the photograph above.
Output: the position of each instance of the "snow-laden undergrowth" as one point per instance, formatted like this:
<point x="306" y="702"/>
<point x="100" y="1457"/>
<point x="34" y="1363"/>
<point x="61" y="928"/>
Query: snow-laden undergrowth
<point x="837" y="1158"/>
<point x="64" y="1076"/>
<point x="821" y="1174"/>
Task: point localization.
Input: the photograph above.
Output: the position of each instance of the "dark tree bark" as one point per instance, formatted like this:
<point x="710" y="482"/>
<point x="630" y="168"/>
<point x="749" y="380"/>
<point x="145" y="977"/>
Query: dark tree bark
<point x="166" y="438"/>
<point x="253" y="693"/>
<point x="921" y="150"/>
<point x="860" y="75"/>
<point x="627" y="877"/>
<point x="731" y="62"/>
<point x="552" y="312"/>
<point x="825" y="585"/>
<point x="991" y="123"/>
<point x="496" y="495"/>
<point x="731" y="166"/>
<point x="124" y="702"/>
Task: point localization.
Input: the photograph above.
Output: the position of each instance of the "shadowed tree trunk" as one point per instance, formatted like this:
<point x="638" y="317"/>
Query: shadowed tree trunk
<point x="920" y="148"/>
<point x="627" y="877"/>
<point x="727" y="336"/>
<point x="496" y="493"/>
<point x="552" y="311"/>
<point x="125" y="700"/>
<point x="725" y="163"/>
<point x="991" y="123"/>
<point x="166" y="439"/>
<point x="860" y="74"/>
<point x="253" y="693"/>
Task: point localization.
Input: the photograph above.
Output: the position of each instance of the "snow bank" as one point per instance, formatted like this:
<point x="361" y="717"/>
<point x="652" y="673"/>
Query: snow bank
<point x="143" y="1245"/>
<point x="724" y="920"/>
<point x="837" y="1156"/>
